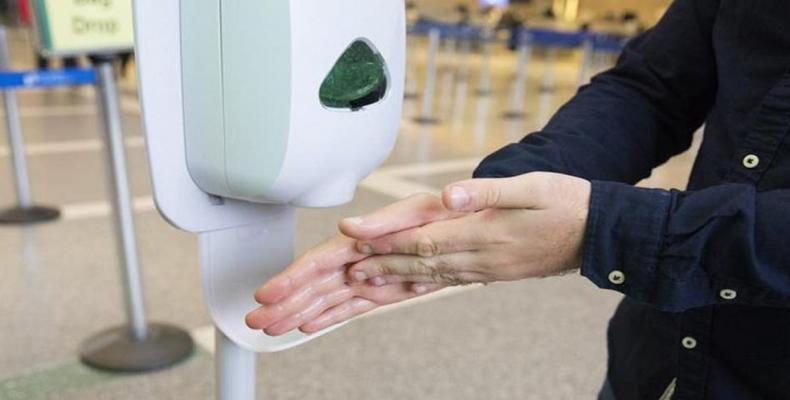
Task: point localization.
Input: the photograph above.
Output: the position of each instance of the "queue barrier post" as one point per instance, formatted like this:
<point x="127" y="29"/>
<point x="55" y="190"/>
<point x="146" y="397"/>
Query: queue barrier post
<point x="138" y="346"/>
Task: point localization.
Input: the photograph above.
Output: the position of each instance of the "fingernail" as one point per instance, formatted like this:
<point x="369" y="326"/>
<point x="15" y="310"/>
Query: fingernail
<point x="366" y="249"/>
<point x="378" y="281"/>
<point x="459" y="198"/>
<point x="360" y="276"/>
<point x="354" y="221"/>
<point x="420" y="289"/>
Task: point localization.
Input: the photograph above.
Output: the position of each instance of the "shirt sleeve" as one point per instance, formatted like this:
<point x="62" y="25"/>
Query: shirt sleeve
<point x="633" y="117"/>
<point x="726" y="244"/>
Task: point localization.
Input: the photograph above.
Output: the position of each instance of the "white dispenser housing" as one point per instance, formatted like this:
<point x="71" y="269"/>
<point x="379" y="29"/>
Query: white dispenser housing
<point x="232" y="105"/>
<point x="255" y="126"/>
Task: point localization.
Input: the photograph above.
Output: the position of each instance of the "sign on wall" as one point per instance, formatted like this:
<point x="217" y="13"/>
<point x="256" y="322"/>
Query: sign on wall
<point x="69" y="27"/>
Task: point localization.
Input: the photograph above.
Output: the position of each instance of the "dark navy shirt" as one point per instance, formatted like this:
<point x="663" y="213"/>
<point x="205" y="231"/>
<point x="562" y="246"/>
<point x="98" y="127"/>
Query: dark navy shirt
<point x="706" y="271"/>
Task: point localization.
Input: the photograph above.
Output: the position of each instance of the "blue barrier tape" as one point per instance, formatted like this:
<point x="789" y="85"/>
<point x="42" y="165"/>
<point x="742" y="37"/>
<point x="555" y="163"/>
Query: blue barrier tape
<point x="43" y="79"/>
<point x="552" y="38"/>
<point x="447" y="30"/>
<point x="602" y="42"/>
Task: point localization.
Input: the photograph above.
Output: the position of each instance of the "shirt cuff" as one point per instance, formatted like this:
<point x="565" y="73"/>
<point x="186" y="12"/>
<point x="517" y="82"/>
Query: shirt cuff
<point x="624" y="237"/>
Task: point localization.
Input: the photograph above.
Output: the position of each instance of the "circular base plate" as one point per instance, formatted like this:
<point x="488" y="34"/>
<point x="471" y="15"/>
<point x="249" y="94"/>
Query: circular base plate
<point x="115" y="350"/>
<point x="548" y="89"/>
<point x="514" y="115"/>
<point x="27" y="216"/>
<point x="426" y="120"/>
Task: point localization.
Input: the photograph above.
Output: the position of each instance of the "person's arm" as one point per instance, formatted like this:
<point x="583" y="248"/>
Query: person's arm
<point x="634" y="117"/>
<point x="675" y="250"/>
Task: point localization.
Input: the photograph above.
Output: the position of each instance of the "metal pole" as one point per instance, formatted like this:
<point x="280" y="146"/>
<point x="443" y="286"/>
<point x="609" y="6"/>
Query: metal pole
<point x="484" y="86"/>
<point x="520" y="86"/>
<point x="450" y="66"/>
<point x="462" y="84"/>
<point x="137" y="346"/>
<point x="585" y="67"/>
<point x="411" y="70"/>
<point x="15" y="140"/>
<point x="124" y="214"/>
<point x="24" y="212"/>
<point x="235" y="370"/>
<point x="426" y="115"/>
<point x="549" y="73"/>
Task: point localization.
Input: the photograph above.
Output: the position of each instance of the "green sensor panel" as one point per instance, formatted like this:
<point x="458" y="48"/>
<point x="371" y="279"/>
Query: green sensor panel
<point x="358" y="79"/>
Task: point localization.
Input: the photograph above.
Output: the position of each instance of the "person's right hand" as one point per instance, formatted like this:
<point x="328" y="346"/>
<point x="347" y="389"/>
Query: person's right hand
<point x="314" y="292"/>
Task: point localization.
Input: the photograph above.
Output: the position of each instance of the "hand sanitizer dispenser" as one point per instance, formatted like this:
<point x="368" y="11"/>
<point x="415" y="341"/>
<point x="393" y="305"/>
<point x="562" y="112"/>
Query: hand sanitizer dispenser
<point x="290" y="102"/>
<point x="266" y="104"/>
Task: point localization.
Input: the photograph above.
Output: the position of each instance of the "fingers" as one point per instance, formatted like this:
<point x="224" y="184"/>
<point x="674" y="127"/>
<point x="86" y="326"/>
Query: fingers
<point x="330" y="289"/>
<point x="308" y="314"/>
<point x="297" y="315"/>
<point x="360" y="305"/>
<point x="527" y="191"/>
<point x="437" y="238"/>
<point x="338" y="314"/>
<point x="333" y="255"/>
<point x="451" y="270"/>
<point x="414" y="211"/>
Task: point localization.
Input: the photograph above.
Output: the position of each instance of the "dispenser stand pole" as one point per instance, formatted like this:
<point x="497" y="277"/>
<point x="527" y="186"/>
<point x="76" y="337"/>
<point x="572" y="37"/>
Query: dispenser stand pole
<point x="234" y="370"/>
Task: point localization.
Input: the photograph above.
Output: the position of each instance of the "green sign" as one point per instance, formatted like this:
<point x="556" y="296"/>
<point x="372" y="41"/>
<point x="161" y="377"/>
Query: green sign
<point x="84" y="26"/>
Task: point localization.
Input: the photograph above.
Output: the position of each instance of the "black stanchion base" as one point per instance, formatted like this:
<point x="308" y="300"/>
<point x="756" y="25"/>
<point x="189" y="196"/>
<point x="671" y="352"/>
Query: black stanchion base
<point x="483" y="92"/>
<point x="115" y="350"/>
<point x="426" y="120"/>
<point x="410" y="96"/>
<point x="514" y="115"/>
<point x="547" y="89"/>
<point x="28" y="216"/>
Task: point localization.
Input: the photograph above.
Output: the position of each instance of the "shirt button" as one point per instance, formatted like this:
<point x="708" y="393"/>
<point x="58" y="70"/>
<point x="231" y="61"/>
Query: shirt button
<point x="689" y="342"/>
<point x="617" y="277"/>
<point x="728" y="294"/>
<point x="751" y="161"/>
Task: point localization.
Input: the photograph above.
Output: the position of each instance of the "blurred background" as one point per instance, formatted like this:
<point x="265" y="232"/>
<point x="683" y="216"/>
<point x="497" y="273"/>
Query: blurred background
<point x="480" y="75"/>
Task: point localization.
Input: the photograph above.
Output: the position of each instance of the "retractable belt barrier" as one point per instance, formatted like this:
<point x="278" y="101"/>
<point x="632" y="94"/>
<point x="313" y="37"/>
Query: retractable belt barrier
<point x="139" y="345"/>
<point x="25" y="212"/>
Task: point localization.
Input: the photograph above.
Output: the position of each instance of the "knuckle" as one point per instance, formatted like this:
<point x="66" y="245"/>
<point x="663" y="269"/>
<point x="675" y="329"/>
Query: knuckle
<point x="493" y="195"/>
<point x="422" y="266"/>
<point x="385" y="269"/>
<point x="427" y="247"/>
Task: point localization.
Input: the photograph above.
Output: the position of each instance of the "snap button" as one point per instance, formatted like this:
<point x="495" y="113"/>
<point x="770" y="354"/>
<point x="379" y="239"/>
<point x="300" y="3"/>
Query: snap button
<point x="728" y="294"/>
<point x="751" y="161"/>
<point x="617" y="277"/>
<point x="689" y="342"/>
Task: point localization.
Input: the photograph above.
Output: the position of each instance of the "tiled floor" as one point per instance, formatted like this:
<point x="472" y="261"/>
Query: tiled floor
<point x="59" y="282"/>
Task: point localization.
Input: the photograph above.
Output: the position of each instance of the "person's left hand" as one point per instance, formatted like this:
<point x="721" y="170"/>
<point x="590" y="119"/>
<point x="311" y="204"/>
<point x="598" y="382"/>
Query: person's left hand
<point x="527" y="226"/>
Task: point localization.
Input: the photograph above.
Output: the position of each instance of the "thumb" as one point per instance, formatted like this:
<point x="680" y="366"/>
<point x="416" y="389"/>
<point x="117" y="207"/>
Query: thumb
<point x="525" y="191"/>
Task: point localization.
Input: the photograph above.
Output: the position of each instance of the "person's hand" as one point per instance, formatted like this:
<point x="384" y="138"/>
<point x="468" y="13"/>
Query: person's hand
<point x="314" y="293"/>
<point x="516" y="228"/>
